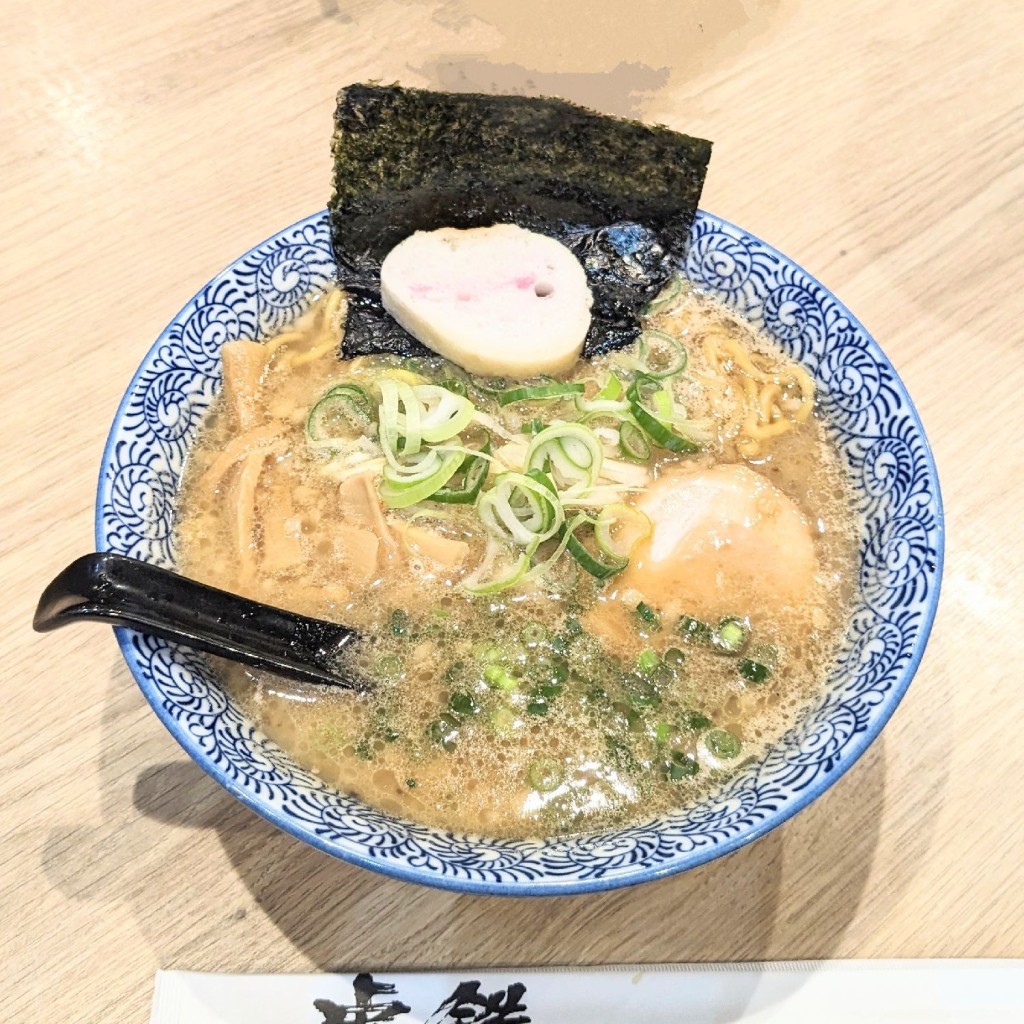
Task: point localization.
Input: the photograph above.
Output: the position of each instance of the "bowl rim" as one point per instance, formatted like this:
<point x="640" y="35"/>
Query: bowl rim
<point x="851" y="752"/>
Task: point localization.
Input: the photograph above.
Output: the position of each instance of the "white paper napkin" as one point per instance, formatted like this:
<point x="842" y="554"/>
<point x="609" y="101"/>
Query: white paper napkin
<point x="801" y="992"/>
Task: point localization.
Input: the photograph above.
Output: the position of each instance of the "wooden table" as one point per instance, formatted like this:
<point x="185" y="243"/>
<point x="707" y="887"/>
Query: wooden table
<point x="144" y="147"/>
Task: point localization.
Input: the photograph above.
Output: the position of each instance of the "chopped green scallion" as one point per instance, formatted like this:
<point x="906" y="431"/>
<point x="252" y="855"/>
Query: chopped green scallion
<point x="502" y="721"/>
<point x="390" y="667"/>
<point x="682" y="766"/>
<point x="694" y="721"/>
<point x="499" y="678"/>
<point x="533" y="635"/>
<point x="647" y="660"/>
<point x="754" y="671"/>
<point x="693" y="630"/>
<point x="548" y="691"/>
<point x="487" y="653"/>
<point x="649" y="618"/>
<point x="463" y="704"/>
<point x="730" y="635"/>
<point x="723" y="743"/>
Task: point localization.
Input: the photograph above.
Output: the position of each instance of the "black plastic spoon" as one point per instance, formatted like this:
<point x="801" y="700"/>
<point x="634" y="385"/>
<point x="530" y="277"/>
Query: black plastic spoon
<point x="121" y="591"/>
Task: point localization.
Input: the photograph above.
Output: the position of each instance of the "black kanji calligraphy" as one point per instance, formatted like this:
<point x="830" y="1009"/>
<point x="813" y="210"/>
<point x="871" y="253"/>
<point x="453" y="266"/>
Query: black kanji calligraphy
<point x="366" y="1009"/>
<point x="470" y="1006"/>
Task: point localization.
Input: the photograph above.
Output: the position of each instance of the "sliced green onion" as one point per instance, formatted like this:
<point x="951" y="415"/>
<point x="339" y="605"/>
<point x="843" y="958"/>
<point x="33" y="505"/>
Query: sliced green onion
<point x="651" y="423"/>
<point x="502" y="721"/>
<point x="390" y="667"/>
<point x="533" y="635"/>
<point x="723" y="744"/>
<point x="642" y="694"/>
<point x="463" y="704"/>
<point x="647" y="660"/>
<point x="571" y="453"/>
<point x="611" y="391"/>
<point x="693" y="630"/>
<point x="549" y="671"/>
<point x="600" y="565"/>
<point x="547" y="691"/>
<point x="343" y="413"/>
<point x="454" y="385"/>
<point x="474" y="470"/>
<point x="487" y="653"/>
<point x="443" y="413"/>
<point x="608" y="401"/>
<point x="665" y="298"/>
<point x="633" y="442"/>
<point x="694" y="721"/>
<point x="649" y="618"/>
<point x="759" y="666"/>
<point x="545" y="775"/>
<point x="754" y="671"/>
<point x="566" y="533"/>
<point x="682" y="766"/>
<point x="662" y="733"/>
<point x="520" y="510"/>
<point x="499" y="678"/>
<point x="410" y="415"/>
<point x="538" y="392"/>
<point x="662" y="355"/>
<point x="399" y="431"/>
<point x="513" y="575"/>
<point x="664" y="406"/>
<point x="420" y="477"/>
<point x="730" y="635"/>
<point x="619" y="528"/>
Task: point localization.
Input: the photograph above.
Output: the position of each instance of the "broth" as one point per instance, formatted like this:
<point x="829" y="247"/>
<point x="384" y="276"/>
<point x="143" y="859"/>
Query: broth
<point x="552" y="707"/>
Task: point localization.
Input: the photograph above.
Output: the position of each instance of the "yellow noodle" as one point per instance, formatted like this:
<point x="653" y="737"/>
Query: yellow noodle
<point x="761" y="415"/>
<point x="320" y="335"/>
<point x="328" y="345"/>
<point x="767" y="401"/>
<point x="282" y="340"/>
<point x="773" y="429"/>
<point x="747" y="447"/>
<point x="806" y="385"/>
<point x="331" y="305"/>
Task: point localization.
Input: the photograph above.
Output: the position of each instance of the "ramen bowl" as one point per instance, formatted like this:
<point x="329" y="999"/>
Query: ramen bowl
<point x="874" y="426"/>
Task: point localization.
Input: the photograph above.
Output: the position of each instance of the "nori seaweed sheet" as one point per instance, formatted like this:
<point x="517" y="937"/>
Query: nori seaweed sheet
<point x="622" y="195"/>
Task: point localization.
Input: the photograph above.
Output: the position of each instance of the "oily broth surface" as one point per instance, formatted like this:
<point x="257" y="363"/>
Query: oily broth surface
<point x="377" y="747"/>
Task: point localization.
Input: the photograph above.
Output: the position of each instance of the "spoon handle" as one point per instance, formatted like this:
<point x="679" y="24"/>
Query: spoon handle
<point x="121" y="591"/>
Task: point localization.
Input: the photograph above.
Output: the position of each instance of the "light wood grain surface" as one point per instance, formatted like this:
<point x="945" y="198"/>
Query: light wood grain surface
<point x="142" y="147"/>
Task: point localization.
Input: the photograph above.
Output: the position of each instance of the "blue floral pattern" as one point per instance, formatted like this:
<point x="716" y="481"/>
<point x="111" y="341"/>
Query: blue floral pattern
<point x="874" y="424"/>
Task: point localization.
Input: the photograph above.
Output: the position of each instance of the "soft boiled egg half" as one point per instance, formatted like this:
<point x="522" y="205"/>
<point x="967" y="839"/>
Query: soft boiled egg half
<point x="723" y="541"/>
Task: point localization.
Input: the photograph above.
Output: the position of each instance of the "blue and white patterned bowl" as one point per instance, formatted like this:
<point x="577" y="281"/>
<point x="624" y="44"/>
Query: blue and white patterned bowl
<point x="873" y="422"/>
